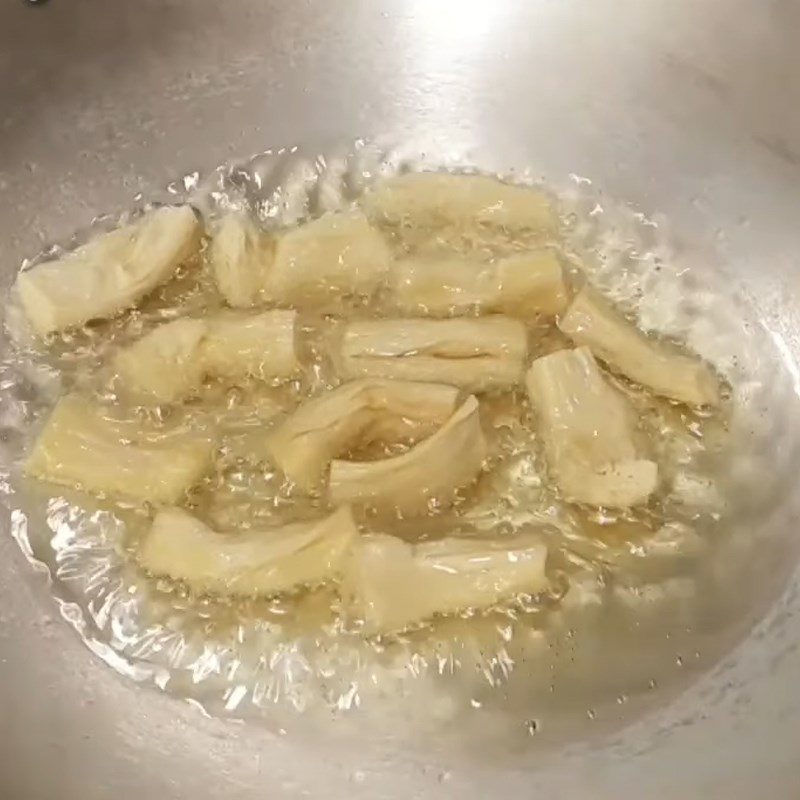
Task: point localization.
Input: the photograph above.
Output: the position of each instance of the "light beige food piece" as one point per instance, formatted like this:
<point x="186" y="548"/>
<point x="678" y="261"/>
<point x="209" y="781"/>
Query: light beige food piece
<point x="591" y="321"/>
<point x="430" y="198"/>
<point x="170" y="362"/>
<point x="338" y="255"/>
<point x="249" y="563"/>
<point x="241" y="257"/>
<point x="82" y="447"/>
<point x="109" y="273"/>
<point x="313" y="265"/>
<point x="164" y="365"/>
<point x="258" y="345"/>
<point x="474" y="354"/>
<point x="531" y="282"/>
<point x="361" y="411"/>
<point x="522" y="285"/>
<point x="391" y="584"/>
<point x="587" y="427"/>
<point x="433" y="469"/>
<point x="442" y="287"/>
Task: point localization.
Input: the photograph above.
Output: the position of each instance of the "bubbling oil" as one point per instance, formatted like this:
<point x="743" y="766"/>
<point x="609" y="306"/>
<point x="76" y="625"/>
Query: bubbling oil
<point x="630" y="606"/>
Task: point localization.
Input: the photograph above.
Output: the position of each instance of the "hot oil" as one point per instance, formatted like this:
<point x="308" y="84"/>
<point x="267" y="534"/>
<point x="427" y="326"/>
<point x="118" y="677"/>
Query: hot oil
<point x="576" y="649"/>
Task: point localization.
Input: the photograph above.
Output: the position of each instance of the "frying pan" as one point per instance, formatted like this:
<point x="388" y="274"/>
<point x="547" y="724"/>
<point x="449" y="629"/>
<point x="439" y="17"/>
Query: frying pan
<point x="686" y="109"/>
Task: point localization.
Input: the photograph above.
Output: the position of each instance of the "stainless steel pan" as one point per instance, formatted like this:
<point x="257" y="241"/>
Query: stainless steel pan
<point x="691" y="109"/>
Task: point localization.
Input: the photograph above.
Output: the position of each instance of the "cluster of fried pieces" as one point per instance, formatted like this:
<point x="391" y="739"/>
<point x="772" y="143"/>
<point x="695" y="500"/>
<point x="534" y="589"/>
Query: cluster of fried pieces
<point x="453" y="329"/>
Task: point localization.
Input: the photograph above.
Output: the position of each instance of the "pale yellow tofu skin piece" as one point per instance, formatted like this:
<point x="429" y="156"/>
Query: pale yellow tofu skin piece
<point x="592" y="322"/>
<point x="359" y="412"/>
<point x="253" y="563"/>
<point x="523" y="285"/>
<point x="170" y="363"/>
<point x="431" y="198"/>
<point x="110" y="273"/>
<point x="81" y="447"/>
<point x="531" y="283"/>
<point x="241" y="256"/>
<point x="338" y="255"/>
<point x="164" y="366"/>
<point x="251" y="345"/>
<point x="432" y="470"/>
<point x="390" y="584"/>
<point x="587" y="426"/>
<point x="477" y="355"/>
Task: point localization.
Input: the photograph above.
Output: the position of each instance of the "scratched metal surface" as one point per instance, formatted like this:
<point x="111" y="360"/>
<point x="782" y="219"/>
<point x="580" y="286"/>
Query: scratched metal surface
<point x="689" y="109"/>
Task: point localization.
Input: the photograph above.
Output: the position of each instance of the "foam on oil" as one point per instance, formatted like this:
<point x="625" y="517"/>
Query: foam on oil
<point x="640" y="600"/>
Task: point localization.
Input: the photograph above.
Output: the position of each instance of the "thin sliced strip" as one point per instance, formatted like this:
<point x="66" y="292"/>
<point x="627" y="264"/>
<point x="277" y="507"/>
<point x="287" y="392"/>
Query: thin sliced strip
<point x="592" y="321"/>
<point x="426" y="198"/>
<point x="249" y="563"/>
<point x="81" y="447"/>
<point x="241" y="257"/>
<point x="474" y="354"/>
<point x="587" y="427"/>
<point x="522" y="285"/>
<point x="391" y="584"/>
<point x="432" y="470"/>
<point x="360" y="411"/>
<point x="110" y="273"/>
<point x="170" y="362"/>
<point x="338" y="255"/>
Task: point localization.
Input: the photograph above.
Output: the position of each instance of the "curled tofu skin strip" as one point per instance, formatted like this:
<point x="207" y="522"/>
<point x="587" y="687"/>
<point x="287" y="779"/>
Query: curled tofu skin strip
<point x="240" y="255"/>
<point x="313" y="266"/>
<point x="164" y="365"/>
<point x="338" y="255"/>
<point x="424" y="198"/>
<point x="587" y="427"/>
<point x="591" y="321"/>
<point x="522" y="285"/>
<point x="256" y="345"/>
<point x="110" y="273"/>
<point x="434" y="469"/>
<point x="477" y="355"/>
<point x="363" y="411"/>
<point x="170" y="363"/>
<point x="81" y="447"/>
<point x="248" y="563"/>
<point x="391" y="584"/>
